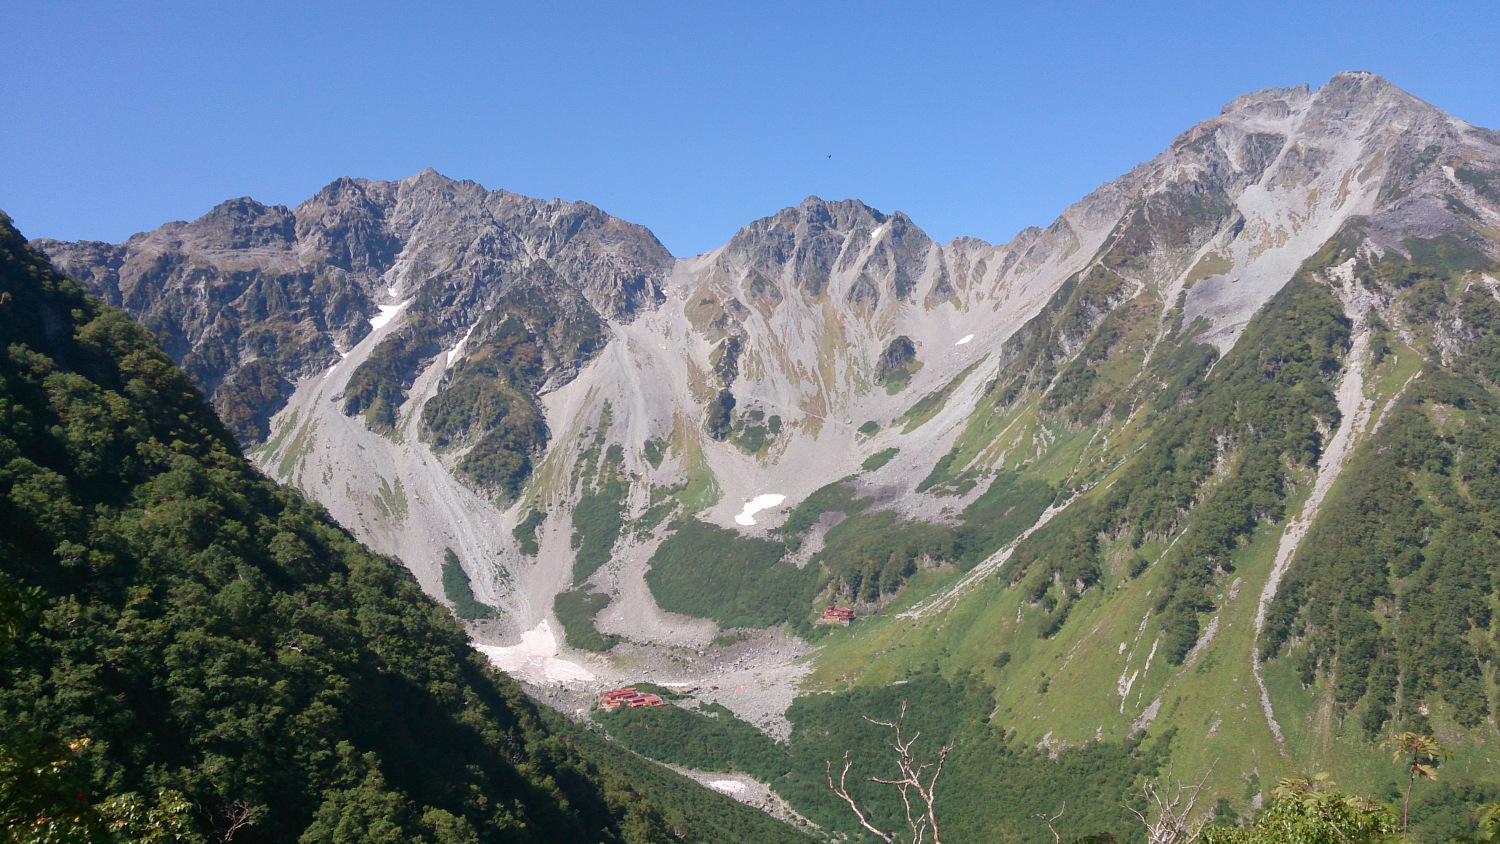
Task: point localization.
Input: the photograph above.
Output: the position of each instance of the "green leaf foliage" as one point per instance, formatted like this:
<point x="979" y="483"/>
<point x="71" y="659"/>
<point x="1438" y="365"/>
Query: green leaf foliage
<point x="709" y="572"/>
<point x="1313" y="816"/>
<point x="460" y="592"/>
<point x="576" y="610"/>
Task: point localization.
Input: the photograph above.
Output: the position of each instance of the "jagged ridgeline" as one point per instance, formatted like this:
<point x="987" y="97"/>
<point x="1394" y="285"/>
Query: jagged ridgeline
<point x="190" y="650"/>
<point x="1208" y="457"/>
<point x="251" y="298"/>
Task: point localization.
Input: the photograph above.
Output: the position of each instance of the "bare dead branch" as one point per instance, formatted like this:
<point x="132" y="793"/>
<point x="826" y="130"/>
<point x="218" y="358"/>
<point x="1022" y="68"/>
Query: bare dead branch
<point x="238" y="815"/>
<point x="912" y="777"/>
<point x="1174" y="818"/>
<point x="1048" y="821"/>
<point x="842" y="791"/>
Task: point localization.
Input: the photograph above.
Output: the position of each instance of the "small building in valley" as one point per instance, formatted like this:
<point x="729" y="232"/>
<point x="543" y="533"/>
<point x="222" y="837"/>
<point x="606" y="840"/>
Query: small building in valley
<point x="628" y="697"/>
<point x="836" y="615"/>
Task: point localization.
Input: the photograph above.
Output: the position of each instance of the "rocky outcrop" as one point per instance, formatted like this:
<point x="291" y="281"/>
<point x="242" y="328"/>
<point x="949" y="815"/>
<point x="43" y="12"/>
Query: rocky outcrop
<point x="251" y="298"/>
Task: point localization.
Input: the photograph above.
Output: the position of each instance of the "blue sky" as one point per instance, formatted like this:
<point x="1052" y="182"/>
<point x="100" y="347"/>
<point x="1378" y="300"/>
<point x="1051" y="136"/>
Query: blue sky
<point x="689" y="118"/>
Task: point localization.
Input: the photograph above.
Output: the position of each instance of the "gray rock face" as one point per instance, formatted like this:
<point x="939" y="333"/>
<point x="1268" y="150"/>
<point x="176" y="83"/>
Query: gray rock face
<point x="810" y="242"/>
<point x="249" y="298"/>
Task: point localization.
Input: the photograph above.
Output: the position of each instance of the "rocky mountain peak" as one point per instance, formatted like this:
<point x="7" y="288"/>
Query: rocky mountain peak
<point x="807" y="246"/>
<point x="246" y="224"/>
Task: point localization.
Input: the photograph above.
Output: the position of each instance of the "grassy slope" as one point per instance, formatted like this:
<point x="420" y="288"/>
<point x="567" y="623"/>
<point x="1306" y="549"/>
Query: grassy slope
<point x="1213" y="703"/>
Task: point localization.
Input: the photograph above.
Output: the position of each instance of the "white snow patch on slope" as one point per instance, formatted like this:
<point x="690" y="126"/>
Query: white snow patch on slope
<point x="727" y="786"/>
<point x="387" y="313"/>
<point x="535" y="658"/>
<point x="964" y="339"/>
<point x="757" y="504"/>
<point x="458" y="351"/>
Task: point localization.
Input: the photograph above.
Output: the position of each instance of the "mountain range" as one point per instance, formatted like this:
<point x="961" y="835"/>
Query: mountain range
<point x="1202" y="476"/>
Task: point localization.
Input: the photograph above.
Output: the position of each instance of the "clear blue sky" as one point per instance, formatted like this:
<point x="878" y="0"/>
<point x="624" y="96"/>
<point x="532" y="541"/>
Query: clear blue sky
<point x="690" y="118"/>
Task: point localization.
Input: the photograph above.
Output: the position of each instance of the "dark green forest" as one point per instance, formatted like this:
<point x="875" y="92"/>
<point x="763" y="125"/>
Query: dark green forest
<point x="1391" y="596"/>
<point x="991" y="790"/>
<point x="192" y="653"/>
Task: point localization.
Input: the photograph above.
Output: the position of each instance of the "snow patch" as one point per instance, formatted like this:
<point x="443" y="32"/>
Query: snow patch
<point x="458" y="351"/>
<point x="727" y="786"/>
<point x="964" y="339"/>
<point x="757" y="504"/>
<point x="387" y="313"/>
<point x="535" y="658"/>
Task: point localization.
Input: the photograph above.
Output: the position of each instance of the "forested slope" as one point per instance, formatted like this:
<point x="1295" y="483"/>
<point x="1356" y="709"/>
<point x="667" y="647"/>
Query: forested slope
<point x="190" y="651"/>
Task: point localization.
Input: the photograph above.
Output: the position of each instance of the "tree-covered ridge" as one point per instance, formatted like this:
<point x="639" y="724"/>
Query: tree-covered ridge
<point x="199" y="643"/>
<point x="1220" y="458"/>
<point x="1389" y="599"/>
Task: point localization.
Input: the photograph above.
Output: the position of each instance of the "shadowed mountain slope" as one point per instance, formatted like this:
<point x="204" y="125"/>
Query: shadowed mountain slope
<point x="201" y="651"/>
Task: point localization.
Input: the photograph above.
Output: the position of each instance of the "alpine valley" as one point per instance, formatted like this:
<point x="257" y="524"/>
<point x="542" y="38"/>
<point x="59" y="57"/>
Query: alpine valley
<point x="1200" y="481"/>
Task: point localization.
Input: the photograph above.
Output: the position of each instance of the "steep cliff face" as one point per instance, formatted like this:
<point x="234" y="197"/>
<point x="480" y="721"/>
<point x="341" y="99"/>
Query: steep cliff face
<point x="251" y="298"/>
<point x="1117" y="429"/>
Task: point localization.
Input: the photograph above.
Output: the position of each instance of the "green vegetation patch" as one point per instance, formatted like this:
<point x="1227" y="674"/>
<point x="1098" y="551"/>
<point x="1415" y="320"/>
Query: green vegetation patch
<point x="868" y="557"/>
<point x="837" y="497"/>
<point x="460" y="591"/>
<point x="709" y="739"/>
<point x="897" y="364"/>
<point x="878" y="459"/>
<point x="1391" y="591"/>
<point x="655" y="451"/>
<point x="992" y="786"/>
<point x="720" y="420"/>
<point x="706" y="571"/>
<point x="599" y="518"/>
<point x="664" y="502"/>
<point x="576" y="610"/>
<point x="525" y="532"/>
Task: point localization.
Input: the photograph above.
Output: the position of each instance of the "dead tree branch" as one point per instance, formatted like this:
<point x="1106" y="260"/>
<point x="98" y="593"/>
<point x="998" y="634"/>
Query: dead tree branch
<point x="1174" y="817"/>
<point x="916" y="783"/>
<point x="1049" y="821"/>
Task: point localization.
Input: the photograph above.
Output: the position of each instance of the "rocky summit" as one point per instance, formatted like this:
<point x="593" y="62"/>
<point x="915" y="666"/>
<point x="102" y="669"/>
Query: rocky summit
<point x="1199" y="477"/>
